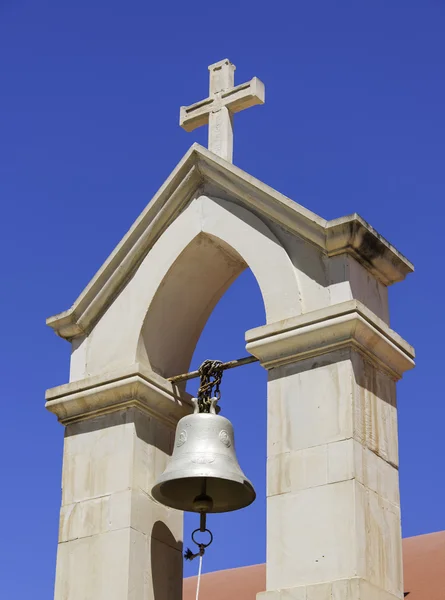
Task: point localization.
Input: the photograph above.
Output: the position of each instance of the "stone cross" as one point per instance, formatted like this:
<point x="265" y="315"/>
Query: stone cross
<point x="217" y="110"/>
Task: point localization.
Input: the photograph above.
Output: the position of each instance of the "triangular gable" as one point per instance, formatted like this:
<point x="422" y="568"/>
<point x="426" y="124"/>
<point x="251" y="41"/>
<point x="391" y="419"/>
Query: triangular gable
<point x="199" y="169"/>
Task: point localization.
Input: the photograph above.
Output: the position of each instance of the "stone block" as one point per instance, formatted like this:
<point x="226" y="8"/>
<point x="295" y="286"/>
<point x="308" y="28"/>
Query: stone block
<point x="97" y="458"/>
<point x="155" y="571"/>
<point x="146" y="512"/>
<point x="340" y="459"/>
<point x="375" y="409"/>
<point x="376" y="474"/>
<point x="331" y="463"/>
<point x="322" y="591"/>
<point x="309" y="404"/>
<point x="152" y="448"/>
<point x="293" y="471"/>
<point x="94" y="568"/>
<point x="298" y="593"/>
<point x="378" y="540"/>
<point x="95" y="516"/>
<point x="309" y="467"/>
<point x="368" y="591"/>
<point x="348" y="280"/>
<point x="346" y="589"/>
<point x="342" y="589"/>
<point x="278" y="474"/>
<point x="346" y="528"/>
<point x="273" y="595"/>
<point x="311" y="536"/>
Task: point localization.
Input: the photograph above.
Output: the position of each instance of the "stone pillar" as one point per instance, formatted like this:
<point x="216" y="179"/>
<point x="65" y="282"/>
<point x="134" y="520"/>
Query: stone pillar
<point x="115" y="541"/>
<point x="333" y="511"/>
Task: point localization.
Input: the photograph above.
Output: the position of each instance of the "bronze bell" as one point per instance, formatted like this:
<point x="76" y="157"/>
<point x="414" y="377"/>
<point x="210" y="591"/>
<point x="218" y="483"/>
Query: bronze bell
<point x="203" y="474"/>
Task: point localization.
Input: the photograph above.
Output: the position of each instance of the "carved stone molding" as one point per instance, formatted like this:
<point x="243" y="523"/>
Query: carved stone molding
<point x="135" y="386"/>
<point x="348" y="324"/>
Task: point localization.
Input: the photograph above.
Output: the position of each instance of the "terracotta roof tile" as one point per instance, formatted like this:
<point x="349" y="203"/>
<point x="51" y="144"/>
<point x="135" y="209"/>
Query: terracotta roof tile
<point x="243" y="584"/>
<point x="424" y="566"/>
<point x="423" y="561"/>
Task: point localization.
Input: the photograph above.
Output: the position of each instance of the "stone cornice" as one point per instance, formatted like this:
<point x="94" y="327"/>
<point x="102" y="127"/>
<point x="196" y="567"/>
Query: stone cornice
<point x="342" y="325"/>
<point x="201" y="168"/>
<point x="134" y="386"/>
<point x="353" y="235"/>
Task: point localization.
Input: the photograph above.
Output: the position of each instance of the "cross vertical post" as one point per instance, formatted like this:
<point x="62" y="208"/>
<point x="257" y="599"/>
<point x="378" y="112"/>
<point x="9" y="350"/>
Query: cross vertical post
<point x="222" y="78"/>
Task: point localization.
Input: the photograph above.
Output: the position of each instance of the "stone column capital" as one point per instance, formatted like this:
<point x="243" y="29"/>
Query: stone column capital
<point x="134" y="386"/>
<point x="347" y="324"/>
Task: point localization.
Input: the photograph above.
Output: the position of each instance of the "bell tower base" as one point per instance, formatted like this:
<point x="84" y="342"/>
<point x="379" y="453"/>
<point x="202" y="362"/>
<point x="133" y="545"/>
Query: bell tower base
<point x="115" y="541"/>
<point x="342" y="589"/>
<point x="333" y="508"/>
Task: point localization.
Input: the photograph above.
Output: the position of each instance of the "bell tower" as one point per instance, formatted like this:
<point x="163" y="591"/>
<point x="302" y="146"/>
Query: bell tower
<point x="333" y="510"/>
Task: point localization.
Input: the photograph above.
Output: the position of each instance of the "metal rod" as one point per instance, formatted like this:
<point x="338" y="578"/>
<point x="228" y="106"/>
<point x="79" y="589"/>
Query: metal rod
<point x="202" y="521"/>
<point x="227" y="365"/>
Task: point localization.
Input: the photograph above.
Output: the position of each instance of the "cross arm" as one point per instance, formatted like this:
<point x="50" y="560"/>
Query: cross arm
<point x="195" y="115"/>
<point x="235" y="99"/>
<point x="244" y="95"/>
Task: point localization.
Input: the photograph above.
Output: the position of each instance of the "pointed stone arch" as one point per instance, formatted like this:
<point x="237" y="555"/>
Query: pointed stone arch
<point x="226" y="240"/>
<point x="157" y="318"/>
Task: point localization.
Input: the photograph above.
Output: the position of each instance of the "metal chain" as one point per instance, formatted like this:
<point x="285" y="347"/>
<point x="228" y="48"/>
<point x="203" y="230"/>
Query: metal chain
<point x="210" y="373"/>
<point x="231" y="364"/>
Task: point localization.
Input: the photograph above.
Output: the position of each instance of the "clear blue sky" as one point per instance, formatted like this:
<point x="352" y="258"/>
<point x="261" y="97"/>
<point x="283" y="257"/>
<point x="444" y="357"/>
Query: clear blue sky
<point x="89" y="103"/>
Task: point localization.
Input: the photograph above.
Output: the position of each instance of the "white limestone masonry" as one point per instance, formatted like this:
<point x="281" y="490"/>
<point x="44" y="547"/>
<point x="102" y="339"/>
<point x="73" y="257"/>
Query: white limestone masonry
<point x="333" y="510"/>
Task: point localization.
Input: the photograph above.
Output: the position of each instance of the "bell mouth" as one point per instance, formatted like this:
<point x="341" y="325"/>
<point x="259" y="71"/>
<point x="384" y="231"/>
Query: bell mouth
<point x="185" y="494"/>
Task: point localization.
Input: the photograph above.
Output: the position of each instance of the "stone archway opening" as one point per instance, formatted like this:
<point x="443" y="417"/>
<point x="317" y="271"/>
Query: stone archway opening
<point x="244" y="403"/>
<point x="184" y="301"/>
<point x="206" y="302"/>
<point x="230" y="247"/>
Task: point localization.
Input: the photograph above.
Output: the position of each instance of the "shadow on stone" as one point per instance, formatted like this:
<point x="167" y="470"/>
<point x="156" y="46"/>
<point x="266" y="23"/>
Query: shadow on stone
<point x="147" y="428"/>
<point x="166" y="563"/>
<point x="366" y="375"/>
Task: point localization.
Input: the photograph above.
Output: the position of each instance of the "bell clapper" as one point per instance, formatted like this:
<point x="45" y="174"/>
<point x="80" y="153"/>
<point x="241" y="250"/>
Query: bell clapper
<point x="203" y="503"/>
